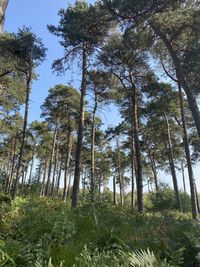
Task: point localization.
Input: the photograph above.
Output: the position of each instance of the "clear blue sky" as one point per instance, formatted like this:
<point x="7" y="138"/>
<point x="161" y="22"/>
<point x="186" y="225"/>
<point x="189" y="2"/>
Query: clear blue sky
<point x="38" y="14"/>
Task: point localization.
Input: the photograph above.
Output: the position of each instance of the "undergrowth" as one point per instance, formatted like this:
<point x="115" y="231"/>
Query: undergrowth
<point x="44" y="232"/>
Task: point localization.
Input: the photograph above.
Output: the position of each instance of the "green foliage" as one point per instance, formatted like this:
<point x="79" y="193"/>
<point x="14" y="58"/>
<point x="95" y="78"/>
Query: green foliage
<point x="81" y="26"/>
<point x="48" y="233"/>
<point x="164" y="199"/>
<point x="5" y="259"/>
<point x="22" y="48"/>
<point x="119" y="258"/>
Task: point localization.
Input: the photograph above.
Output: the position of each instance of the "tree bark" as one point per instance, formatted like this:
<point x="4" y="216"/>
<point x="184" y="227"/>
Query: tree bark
<point x="13" y="156"/>
<point x="93" y="135"/>
<point x="114" y="191"/>
<point x="69" y="184"/>
<point x="54" y="170"/>
<point x="58" y="179"/>
<point x="51" y="160"/>
<point x="153" y="167"/>
<point x="197" y="199"/>
<point x="67" y="162"/>
<point x="139" y="179"/>
<point x="16" y="184"/>
<point x="39" y="172"/>
<point x="32" y="164"/>
<point x="172" y="165"/>
<point x="121" y="178"/>
<point x="77" y="172"/>
<point x="188" y="158"/>
<point x="183" y="176"/>
<point x="42" y="192"/>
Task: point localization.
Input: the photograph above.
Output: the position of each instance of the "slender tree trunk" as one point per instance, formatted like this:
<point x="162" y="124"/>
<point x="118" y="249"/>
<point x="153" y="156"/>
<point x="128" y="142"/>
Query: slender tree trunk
<point x="24" y="175"/>
<point x="197" y="199"/>
<point x="54" y="170"/>
<point x="10" y="177"/>
<point x="51" y="160"/>
<point x="93" y="135"/>
<point x="16" y="184"/>
<point x="183" y="176"/>
<point x="67" y="162"/>
<point x="83" y="183"/>
<point x="133" y="163"/>
<point x="42" y="192"/>
<point x="181" y="77"/>
<point x="58" y="178"/>
<point x="188" y="158"/>
<point x="10" y="157"/>
<point x="32" y="164"/>
<point x="132" y="173"/>
<point x="153" y="167"/>
<point x="69" y="185"/>
<point x="172" y="165"/>
<point x="121" y="178"/>
<point x="114" y="191"/>
<point x="39" y="172"/>
<point x="139" y="178"/>
<point x="77" y="172"/>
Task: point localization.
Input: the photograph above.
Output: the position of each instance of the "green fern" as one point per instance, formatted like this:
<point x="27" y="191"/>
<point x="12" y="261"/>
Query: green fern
<point x="5" y="259"/>
<point x="49" y="264"/>
<point x="143" y="259"/>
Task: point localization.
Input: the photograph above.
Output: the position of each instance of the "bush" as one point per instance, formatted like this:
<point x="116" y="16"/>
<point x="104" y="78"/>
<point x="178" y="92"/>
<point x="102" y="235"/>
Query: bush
<point x="165" y="199"/>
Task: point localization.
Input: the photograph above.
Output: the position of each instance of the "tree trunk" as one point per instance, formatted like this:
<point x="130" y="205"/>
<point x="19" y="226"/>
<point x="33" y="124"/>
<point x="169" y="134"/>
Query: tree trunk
<point x="114" y="191"/>
<point x="16" y="184"/>
<point x="181" y="77"/>
<point x="24" y="175"/>
<point x="172" y="165"/>
<point x="32" y="164"/>
<point x="93" y="135"/>
<point x="197" y="199"/>
<point x="183" y="176"/>
<point x="42" y="192"/>
<point x="58" y="179"/>
<point x="153" y="167"/>
<point x="67" y="162"/>
<point x="69" y="184"/>
<point x="132" y="173"/>
<point x="188" y="158"/>
<point x="121" y="178"/>
<point x="3" y="6"/>
<point x="39" y="172"/>
<point x="54" y="170"/>
<point x="139" y="180"/>
<point x="77" y="172"/>
<point x="13" y="156"/>
<point x="51" y="161"/>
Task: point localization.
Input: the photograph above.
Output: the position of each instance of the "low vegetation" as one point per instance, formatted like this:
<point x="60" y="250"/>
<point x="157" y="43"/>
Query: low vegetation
<point x="45" y="232"/>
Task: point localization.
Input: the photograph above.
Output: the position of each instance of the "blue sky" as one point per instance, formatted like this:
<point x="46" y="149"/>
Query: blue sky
<point x="38" y="14"/>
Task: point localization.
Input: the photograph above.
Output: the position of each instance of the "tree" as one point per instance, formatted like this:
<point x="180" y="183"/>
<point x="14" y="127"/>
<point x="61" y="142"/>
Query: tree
<point x="163" y="106"/>
<point x="99" y="84"/>
<point x="82" y="29"/>
<point x="125" y="57"/>
<point x="176" y="24"/>
<point x="28" y="52"/>
<point x="61" y="110"/>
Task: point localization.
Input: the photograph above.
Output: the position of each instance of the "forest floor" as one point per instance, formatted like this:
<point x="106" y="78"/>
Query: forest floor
<point x="45" y="232"/>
